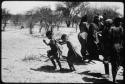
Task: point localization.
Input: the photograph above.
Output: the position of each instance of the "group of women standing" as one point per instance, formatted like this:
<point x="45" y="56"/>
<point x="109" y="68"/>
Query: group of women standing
<point x="103" y="37"/>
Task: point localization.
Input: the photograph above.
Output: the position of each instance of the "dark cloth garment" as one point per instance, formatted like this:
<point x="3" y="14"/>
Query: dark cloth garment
<point x="112" y="42"/>
<point x="101" y="26"/>
<point x="112" y="38"/>
<point x="73" y="56"/>
<point x="123" y="55"/>
<point x="70" y="47"/>
<point x="91" y="38"/>
<point x="107" y="43"/>
<point x="52" y="54"/>
<point x="94" y="27"/>
<point x="116" y="47"/>
<point x="83" y="27"/>
<point x="92" y="33"/>
<point x="92" y="50"/>
<point x="117" y="43"/>
<point x="123" y="51"/>
<point x="82" y="37"/>
<point x="116" y="34"/>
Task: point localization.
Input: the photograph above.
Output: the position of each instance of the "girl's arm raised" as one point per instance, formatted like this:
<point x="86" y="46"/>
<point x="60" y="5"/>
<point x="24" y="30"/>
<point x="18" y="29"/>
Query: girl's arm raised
<point x="60" y="42"/>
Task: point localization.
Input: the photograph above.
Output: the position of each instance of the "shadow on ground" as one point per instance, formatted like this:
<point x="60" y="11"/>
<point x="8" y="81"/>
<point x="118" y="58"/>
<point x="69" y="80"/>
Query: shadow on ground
<point x="102" y="81"/>
<point x="81" y="63"/>
<point x="92" y="74"/>
<point x="120" y="82"/>
<point x="51" y="69"/>
<point x="98" y="78"/>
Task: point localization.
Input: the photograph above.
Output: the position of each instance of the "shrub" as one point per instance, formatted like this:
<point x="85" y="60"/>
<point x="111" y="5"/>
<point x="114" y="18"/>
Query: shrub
<point x="31" y="58"/>
<point x="91" y="12"/>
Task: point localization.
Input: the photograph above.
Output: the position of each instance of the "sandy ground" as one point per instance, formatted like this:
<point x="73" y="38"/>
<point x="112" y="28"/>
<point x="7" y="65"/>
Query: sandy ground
<point x="24" y="60"/>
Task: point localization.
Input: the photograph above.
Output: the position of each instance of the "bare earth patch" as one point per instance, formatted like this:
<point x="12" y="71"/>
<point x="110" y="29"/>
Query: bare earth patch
<point x="24" y="60"/>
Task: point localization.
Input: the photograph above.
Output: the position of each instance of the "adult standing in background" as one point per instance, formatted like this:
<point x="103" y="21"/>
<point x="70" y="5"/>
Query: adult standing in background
<point x="82" y="36"/>
<point x="92" y="39"/>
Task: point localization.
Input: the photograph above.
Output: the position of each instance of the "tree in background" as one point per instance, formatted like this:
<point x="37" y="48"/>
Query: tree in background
<point x="17" y="19"/>
<point x="70" y="11"/>
<point x="76" y="17"/>
<point x="91" y="12"/>
<point x="5" y="18"/>
<point x="45" y="15"/>
<point x="75" y="21"/>
<point x="66" y="10"/>
<point x="30" y="20"/>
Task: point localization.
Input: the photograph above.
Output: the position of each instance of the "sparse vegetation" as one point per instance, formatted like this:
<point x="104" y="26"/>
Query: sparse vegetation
<point x="66" y="12"/>
<point x="31" y="58"/>
<point x="91" y="12"/>
<point x="24" y="55"/>
<point x="5" y="18"/>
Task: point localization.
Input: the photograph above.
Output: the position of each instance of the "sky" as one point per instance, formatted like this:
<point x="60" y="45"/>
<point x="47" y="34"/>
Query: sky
<point x="20" y="7"/>
<point x="120" y="5"/>
<point x="16" y="7"/>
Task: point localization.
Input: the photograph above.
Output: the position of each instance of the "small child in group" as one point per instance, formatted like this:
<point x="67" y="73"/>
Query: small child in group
<point x="70" y="58"/>
<point x="53" y="53"/>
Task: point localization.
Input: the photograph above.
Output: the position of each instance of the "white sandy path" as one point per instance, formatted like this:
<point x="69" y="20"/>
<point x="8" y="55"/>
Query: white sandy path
<point x="18" y="44"/>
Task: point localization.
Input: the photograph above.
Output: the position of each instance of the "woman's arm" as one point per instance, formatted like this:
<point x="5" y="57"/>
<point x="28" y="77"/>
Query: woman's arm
<point x="45" y="42"/>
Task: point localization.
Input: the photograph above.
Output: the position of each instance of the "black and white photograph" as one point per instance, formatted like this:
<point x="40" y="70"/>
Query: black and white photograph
<point x="62" y="42"/>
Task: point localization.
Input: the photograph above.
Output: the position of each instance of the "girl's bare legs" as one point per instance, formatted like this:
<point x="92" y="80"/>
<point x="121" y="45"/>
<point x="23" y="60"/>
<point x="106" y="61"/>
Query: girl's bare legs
<point x="71" y="66"/>
<point x="59" y="64"/>
<point x="53" y="62"/>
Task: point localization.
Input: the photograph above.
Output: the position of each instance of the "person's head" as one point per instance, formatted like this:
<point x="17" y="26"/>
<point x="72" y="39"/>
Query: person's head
<point x="97" y="14"/>
<point x="96" y="19"/>
<point x="104" y="14"/>
<point x="101" y="18"/>
<point x="117" y="21"/>
<point x="83" y="27"/>
<point x="49" y="34"/>
<point x="64" y="37"/>
<point x="84" y="18"/>
<point x="108" y="22"/>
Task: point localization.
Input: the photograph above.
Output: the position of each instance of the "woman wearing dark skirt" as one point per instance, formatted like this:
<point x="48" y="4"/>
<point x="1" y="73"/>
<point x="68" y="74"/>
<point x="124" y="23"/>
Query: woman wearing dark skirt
<point x="82" y="36"/>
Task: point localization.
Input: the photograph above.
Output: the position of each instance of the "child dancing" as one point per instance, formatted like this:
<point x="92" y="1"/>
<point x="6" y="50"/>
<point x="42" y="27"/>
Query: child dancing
<point x="53" y="53"/>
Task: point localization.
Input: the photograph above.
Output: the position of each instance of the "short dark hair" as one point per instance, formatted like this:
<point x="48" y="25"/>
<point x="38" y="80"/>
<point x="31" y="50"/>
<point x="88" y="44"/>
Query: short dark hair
<point x="48" y="33"/>
<point x="63" y="36"/>
<point x="95" y="19"/>
<point x="116" y="21"/>
<point x="84" y="18"/>
<point x="104" y="13"/>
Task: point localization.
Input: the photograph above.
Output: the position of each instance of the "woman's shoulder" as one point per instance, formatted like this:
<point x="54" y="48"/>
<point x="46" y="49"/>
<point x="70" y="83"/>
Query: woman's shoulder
<point x="85" y="22"/>
<point x="69" y="42"/>
<point x="113" y="28"/>
<point x="92" y="25"/>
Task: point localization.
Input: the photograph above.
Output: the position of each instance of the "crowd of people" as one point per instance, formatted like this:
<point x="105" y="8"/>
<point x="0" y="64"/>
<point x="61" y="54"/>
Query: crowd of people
<point x="104" y="36"/>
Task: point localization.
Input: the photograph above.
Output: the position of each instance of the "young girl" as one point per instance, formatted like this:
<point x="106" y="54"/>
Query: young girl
<point x="72" y="55"/>
<point x="53" y="53"/>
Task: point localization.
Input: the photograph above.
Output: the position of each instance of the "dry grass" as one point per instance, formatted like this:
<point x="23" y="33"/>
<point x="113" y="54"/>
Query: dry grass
<point x="23" y="52"/>
<point x="31" y="58"/>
